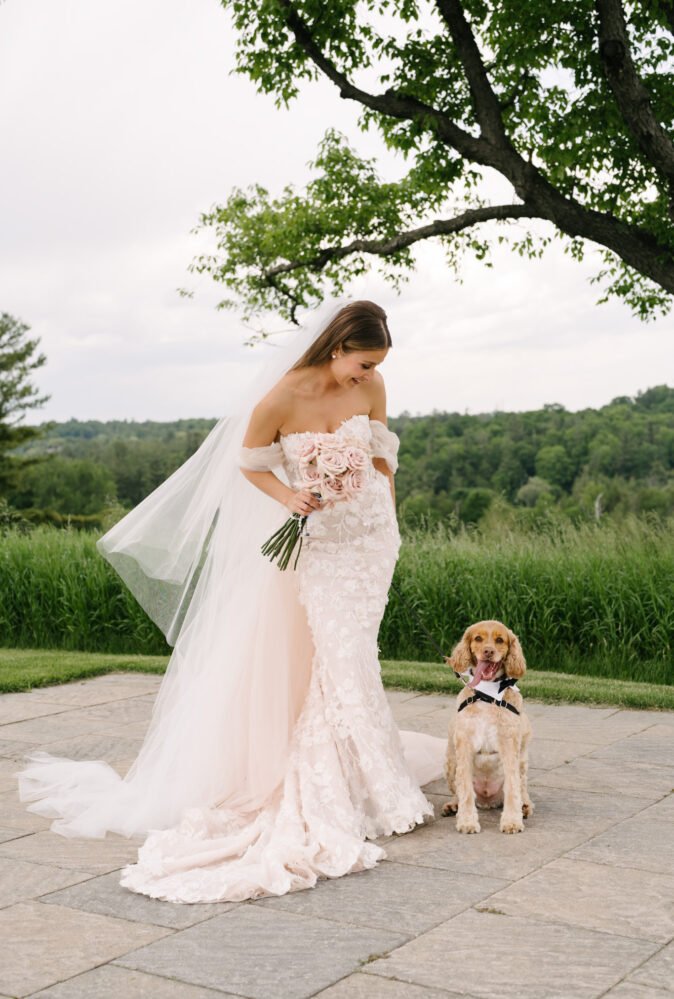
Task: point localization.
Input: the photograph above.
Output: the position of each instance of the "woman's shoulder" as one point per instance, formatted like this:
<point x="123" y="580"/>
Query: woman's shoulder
<point x="270" y="413"/>
<point x="279" y="397"/>
<point x="377" y="398"/>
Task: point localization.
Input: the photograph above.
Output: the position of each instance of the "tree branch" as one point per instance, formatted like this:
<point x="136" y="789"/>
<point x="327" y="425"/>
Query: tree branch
<point x="638" y="248"/>
<point x="385" y="247"/>
<point x="630" y="93"/>
<point x="392" y="103"/>
<point x="485" y="102"/>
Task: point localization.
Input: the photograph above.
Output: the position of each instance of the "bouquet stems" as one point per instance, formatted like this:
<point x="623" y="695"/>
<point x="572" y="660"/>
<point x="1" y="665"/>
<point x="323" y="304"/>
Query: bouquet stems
<point x="282" y="543"/>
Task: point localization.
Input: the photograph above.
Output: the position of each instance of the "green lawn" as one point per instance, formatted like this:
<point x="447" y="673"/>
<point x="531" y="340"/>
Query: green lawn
<point x="22" y="669"/>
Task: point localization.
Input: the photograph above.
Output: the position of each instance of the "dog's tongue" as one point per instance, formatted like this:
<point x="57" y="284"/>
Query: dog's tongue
<point x="482" y="667"/>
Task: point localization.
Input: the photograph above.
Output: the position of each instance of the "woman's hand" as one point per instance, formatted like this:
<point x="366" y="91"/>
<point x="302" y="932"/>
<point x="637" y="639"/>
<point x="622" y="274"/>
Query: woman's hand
<point x="303" y="502"/>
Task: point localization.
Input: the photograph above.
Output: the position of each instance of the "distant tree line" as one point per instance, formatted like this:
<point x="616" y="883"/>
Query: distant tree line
<point x="584" y="465"/>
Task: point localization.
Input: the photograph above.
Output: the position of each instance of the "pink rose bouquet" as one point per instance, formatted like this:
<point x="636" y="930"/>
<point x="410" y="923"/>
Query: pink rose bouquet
<point x="331" y="469"/>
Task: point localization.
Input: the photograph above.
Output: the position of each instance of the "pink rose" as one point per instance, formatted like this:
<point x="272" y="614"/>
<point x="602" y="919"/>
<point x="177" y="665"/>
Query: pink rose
<point x="310" y="477"/>
<point x="332" y="488"/>
<point x="353" y="481"/>
<point x="308" y="452"/>
<point x="355" y="457"/>
<point x="331" y="461"/>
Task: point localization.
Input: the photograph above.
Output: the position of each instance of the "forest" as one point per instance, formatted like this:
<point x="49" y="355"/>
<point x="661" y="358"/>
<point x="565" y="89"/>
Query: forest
<point x="454" y="468"/>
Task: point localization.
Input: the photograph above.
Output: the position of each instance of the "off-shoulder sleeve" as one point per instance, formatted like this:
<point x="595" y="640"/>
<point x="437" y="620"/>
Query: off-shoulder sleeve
<point x="385" y="444"/>
<point x="260" y="459"/>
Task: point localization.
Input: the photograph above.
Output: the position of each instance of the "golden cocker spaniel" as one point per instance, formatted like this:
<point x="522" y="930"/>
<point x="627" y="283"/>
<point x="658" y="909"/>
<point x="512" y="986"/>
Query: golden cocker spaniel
<point x="487" y="748"/>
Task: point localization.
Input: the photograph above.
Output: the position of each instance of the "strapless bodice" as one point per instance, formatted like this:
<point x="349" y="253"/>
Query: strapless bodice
<point x="355" y="431"/>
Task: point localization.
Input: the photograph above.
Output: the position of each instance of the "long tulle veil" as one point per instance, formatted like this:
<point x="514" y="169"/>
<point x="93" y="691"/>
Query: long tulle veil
<point x="233" y="687"/>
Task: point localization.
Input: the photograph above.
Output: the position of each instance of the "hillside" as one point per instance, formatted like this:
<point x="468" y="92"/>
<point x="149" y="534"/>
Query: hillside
<point x="617" y="458"/>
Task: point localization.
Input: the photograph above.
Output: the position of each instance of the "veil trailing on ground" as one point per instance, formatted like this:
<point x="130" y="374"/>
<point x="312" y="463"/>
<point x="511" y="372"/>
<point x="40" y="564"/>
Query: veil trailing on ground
<point x="234" y="685"/>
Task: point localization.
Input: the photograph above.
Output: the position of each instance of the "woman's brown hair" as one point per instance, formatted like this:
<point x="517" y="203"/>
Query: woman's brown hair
<point x="358" y="326"/>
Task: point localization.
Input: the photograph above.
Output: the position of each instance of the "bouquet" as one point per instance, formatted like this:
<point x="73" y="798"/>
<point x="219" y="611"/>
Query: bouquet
<point x="331" y="469"/>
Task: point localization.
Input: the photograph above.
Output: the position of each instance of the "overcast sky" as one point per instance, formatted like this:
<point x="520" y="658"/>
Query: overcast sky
<point x="121" y="122"/>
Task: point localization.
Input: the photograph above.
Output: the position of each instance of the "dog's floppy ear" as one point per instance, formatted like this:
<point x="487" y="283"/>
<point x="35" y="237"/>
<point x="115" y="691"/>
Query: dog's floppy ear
<point x="461" y="658"/>
<point x="515" y="666"/>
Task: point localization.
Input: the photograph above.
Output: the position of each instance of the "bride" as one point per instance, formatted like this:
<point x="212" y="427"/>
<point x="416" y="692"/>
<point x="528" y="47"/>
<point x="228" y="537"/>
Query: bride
<point x="272" y="758"/>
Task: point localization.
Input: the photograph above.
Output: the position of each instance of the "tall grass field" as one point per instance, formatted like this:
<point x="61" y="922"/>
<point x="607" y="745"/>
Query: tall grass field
<point x="595" y="600"/>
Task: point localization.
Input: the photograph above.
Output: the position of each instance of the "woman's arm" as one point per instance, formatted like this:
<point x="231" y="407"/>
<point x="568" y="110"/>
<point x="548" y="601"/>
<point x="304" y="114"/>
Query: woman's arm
<point x="263" y="427"/>
<point x="378" y="412"/>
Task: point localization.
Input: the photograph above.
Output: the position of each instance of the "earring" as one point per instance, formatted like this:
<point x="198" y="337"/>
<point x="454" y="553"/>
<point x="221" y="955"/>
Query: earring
<point x="334" y="356"/>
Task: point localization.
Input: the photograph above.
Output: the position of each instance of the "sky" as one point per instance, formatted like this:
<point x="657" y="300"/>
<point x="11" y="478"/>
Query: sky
<point x="122" y="122"/>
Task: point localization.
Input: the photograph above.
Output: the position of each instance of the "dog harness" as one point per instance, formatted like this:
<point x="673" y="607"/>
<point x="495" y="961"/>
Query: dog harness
<point x="489" y="690"/>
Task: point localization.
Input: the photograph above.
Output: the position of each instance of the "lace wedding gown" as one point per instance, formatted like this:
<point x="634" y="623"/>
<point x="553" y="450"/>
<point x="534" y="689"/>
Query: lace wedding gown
<point x="351" y="775"/>
<point x="300" y="772"/>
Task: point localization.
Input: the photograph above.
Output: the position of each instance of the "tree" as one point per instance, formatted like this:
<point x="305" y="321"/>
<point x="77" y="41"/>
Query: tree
<point x="66" y="485"/>
<point x="571" y="102"/>
<point x="554" y="465"/>
<point x="16" y="395"/>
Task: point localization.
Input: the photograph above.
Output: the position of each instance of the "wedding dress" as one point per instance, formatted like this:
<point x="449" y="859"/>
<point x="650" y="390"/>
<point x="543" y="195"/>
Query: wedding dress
<point x="351" y="775"/>
<point x="272" y="758"/>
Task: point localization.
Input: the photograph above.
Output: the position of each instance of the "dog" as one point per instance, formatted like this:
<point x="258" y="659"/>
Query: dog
<point x="487" y="748"/>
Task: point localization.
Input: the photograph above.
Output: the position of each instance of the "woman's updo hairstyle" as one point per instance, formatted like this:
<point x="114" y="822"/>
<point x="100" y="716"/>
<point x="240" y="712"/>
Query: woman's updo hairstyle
<point x="358" y="326"/>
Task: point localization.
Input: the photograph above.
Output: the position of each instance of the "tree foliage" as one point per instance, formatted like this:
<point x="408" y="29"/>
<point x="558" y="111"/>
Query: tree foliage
<point x="453" y="467"/>
<point x="571" y="102"/>
<point x="16" y="393"/>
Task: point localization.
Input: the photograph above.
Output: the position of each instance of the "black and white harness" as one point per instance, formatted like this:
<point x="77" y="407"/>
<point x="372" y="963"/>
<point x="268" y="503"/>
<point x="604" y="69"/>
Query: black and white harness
<point x="488" y="691"/>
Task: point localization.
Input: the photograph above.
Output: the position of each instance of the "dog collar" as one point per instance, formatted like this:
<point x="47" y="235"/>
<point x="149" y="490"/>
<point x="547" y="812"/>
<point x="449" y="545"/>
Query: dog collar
<point x="490" y="691"/>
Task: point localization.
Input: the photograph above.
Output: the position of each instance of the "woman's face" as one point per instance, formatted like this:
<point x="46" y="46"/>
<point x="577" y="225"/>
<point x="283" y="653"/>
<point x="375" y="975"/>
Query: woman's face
<point x="357" y="366"/>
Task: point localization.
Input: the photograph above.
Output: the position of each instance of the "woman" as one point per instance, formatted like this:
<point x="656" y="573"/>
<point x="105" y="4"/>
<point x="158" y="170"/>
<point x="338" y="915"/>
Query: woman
<point x="271" y="757"/>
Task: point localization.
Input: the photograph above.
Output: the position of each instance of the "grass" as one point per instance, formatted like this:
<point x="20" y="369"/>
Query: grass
<point x="590" y="599"/>
<point x="24" y="669"/>
<point x="539" y="685"/>
<point x="596" y="599"/>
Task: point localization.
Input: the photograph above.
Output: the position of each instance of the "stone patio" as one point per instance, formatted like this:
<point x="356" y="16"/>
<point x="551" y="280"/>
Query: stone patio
<point x="580" y="905"/>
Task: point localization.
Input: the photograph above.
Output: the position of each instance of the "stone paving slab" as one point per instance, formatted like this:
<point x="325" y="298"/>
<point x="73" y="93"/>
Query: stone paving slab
<point x="613" y="899"/>
<point x="548" y="754"/>
<point x="641" y="780"/>
<point x="583" y="897"/>
<point x="7" y="778"/>
<point x="96" y="856"/>
<point x="45" y="944"/>
<point x="629" y="990"/>
<point x="264" y="954"/>
<point x="643" y="842"/>
<point x="653" y="745"/>
<point x="391" y="896"/>
<point x="14" y="814"/>
<point x="22" y="706"/>
<point x="595" y="725"/>
<point x="98" y="690"/>
<point x="105" y="895"/>
<point x="561" y="821"/>
<point x="112" y="982"/>
<point x="532" y="960"/>
<point x="362" y="986"/>
<point x="663" y="809"/>
<point x="94" y="746"/>
<point x="658" y="972"/>
<point x="50" y="728"/>
<point x="21" y="881"/>
<point x="7" y="834"/>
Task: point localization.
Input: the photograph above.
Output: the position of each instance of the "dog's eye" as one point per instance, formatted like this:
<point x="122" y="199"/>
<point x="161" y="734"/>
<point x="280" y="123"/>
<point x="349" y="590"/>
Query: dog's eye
<point x="478" y="638"/>
<point x="500" y="640"/>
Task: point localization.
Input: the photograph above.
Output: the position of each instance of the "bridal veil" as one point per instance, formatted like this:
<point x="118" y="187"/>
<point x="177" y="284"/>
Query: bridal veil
<point x="235" y="682"/>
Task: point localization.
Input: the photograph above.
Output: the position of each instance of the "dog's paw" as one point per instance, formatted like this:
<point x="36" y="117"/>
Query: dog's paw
<point x="450" y="808"/>
<point x="511" y="825"/>
<point x="468" y="826"/>
<point x="527" y="809"/>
